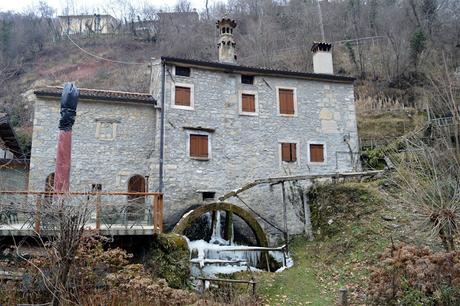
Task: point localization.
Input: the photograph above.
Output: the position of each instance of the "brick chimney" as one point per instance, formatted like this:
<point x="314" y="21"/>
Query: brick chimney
<point x="226" y="44"/>
<point x="322" y="58"/>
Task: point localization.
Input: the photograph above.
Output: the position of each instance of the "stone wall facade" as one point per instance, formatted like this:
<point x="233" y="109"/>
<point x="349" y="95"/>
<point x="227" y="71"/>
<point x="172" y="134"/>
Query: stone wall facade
<point x="112" y="141"/>
<point x="245" y="148"/>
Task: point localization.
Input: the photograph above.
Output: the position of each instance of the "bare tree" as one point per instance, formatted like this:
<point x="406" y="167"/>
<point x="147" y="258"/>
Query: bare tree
<point x="443" y="93"/>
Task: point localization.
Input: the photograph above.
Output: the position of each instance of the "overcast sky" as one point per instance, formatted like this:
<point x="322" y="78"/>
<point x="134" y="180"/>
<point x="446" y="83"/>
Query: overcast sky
<point x="90" y="5"/>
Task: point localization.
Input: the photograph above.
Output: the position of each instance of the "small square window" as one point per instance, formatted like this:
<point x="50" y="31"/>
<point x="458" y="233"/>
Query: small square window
<point x="289" y="152"/>
<point x="247" y="79"/>
<point x="96" y="187"/>
<point x="316" y="153"/>
<point x="199" y="146"/>
<point x="182" y="96"/>
<point x="183" y="71"/>
<point x="248" y="103"/>
<point x="106" y="130"/>
<point x="209" y="196"/>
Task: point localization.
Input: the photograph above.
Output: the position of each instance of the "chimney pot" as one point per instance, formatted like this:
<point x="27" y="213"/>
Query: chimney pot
<point x="226" y="44"/>
<point x="322" y="58"/>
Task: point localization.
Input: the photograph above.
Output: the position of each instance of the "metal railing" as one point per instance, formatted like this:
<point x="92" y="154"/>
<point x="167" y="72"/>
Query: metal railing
<point x="116" y="213"/>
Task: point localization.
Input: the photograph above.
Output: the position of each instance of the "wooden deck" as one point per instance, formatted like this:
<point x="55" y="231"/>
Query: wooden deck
<point x="33" y="213"/>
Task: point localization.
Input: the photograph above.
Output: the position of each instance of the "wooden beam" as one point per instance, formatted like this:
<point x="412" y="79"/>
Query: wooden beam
<point x="280" y="179"/>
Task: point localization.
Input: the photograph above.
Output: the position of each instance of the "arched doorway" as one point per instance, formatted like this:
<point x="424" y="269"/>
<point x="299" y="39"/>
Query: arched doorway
<point x="136" y="203"/>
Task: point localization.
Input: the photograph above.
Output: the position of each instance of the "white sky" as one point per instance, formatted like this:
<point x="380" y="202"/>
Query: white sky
<point x="90" y="6"/>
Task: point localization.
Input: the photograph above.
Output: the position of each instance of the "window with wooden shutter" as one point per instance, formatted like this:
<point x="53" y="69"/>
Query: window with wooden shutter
<point x="248" y="103"/>
<point x="316" y="153"/>
<point x="286" y="101"/>
<point x="288" y="152"/>
<point x="182" y="96"/>
<point x="199" y="146"/>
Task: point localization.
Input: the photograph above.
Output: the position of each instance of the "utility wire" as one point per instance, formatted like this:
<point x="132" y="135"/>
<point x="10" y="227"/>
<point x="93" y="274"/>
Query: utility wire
<point x="103" y="58"/>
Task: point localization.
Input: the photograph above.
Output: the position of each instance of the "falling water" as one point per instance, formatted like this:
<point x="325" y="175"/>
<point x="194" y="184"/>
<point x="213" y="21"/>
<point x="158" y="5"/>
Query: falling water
<point x="218" y="256"/>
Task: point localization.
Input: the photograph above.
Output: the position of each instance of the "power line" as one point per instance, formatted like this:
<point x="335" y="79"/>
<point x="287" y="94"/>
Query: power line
<point x="102" y="58"/>
<point x="320" y="13"/>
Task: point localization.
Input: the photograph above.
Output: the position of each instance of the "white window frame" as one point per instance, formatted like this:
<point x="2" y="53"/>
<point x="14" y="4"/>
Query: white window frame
<point x="173" y="96"/>
<point x="99" y="123"/>
<point x="324" y="152"/>
<point x="297" y="149"/>
<point x="181" y="76"/>
<point x="240" y="102"/>
<point x="294" y="89"/>
<point x="198" y="132"/>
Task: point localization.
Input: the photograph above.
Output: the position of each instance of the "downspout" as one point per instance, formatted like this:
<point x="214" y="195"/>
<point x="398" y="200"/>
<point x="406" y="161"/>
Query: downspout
<point x="162" y="127"/>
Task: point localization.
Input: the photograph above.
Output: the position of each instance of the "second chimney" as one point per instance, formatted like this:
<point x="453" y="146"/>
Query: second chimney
<point x="322" y="58"/>
<point x="226" y="43"/>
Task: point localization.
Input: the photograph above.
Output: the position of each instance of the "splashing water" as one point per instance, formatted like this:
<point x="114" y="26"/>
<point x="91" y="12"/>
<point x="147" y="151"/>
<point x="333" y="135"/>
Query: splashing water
<point x="220" y="256"/>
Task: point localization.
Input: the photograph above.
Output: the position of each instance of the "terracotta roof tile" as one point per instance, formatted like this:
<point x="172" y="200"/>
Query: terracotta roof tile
<point x="100" y="94"/>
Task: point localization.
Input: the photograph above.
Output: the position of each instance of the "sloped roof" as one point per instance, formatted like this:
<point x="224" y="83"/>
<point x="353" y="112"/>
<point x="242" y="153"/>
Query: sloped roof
<point x="8" y="136"/>
<point x="100" y="94"/>
<point x="258" y="70"/>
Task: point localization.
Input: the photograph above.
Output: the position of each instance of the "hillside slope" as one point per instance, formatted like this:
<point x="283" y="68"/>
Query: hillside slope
<point x="351" y="230"/>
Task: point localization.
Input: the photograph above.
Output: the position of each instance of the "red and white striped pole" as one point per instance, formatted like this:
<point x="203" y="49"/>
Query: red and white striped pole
<point x="69" y="101"/>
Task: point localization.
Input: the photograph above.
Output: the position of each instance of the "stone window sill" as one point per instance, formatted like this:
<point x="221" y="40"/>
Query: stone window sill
<point x="199" y="158"/>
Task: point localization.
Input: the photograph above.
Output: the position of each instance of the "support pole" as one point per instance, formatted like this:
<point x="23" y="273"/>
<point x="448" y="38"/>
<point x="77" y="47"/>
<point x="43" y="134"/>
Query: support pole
<point x="307" y="217"/>
<point x="98" y="211"/>
<point x="158" y="213"/>
<point x="69" y="101"/>
<point x="38" y="205"/>
<point x="342" y="299"/>
<point x="63" y="161"/>
<point x="286" y="233"/>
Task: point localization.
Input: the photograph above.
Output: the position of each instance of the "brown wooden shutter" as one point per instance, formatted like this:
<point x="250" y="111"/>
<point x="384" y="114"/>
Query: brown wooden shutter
<point x="248" y="103"/>
<point x="293" y="152"/>
<point x="317" y="153"/>
<point x="199" y="146"/>
<point x="286" y="100"/>
<point x="288" y="152"/>
<point x="285" y="152"/>
<point x="182" y="96"/>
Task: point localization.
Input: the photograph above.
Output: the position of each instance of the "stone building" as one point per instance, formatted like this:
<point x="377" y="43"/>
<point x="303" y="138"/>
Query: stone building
<point x="87" y="24"/>
<point x="14" y="164"/>
<point x="207" y="128"/>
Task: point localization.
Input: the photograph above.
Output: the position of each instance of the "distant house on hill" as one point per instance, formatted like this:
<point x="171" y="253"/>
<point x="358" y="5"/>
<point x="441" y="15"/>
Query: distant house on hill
<point x="13" y="164"/>
<point x="86" y="24"/>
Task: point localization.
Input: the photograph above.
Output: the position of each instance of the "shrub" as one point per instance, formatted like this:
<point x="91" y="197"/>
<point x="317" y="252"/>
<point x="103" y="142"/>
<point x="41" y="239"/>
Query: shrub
<point x="169" y="259"/>
<point x="410" y="275"/>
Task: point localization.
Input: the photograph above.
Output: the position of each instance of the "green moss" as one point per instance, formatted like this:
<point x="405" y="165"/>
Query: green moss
<point x="335" y="205"/>
<point x="169" y="259"/>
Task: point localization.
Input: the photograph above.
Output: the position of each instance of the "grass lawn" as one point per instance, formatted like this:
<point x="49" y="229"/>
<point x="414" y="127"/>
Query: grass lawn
<point x="300" y="285"/>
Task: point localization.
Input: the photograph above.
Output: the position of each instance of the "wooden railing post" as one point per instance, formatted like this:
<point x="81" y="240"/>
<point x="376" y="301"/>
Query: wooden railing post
<point x="38" y="204"/>
<point x="342" y="299"/>
<point x="158" y="213"/>
<point x="98" y="211"/>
